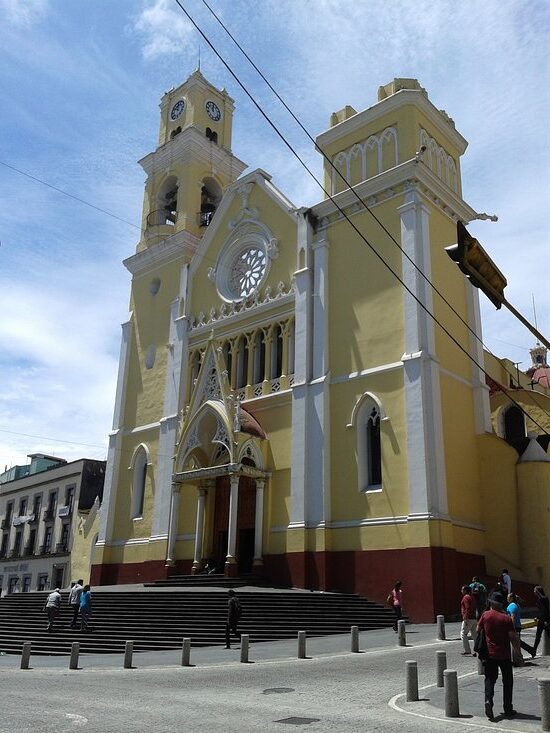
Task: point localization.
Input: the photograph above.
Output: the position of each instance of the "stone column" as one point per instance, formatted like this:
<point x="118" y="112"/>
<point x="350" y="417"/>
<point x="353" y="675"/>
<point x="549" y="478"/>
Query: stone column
<point x="231" y="560"/>
<point x="268" y="338"/>
<point x="199" y="531"/>
<point x="259" y="525"/>
<point x="173" y="526"/>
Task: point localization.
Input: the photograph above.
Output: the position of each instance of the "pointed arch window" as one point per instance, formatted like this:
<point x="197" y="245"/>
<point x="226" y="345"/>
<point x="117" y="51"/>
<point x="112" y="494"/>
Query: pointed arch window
<point x="367" y="416"/>
<point x="514" y="425"/>
<point x="139" y="481"/>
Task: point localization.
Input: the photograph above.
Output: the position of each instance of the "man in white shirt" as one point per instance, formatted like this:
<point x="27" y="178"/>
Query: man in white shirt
<point x="74" y="600"/>
<point x="507" y="580"/>
<point x="52" y="607"/>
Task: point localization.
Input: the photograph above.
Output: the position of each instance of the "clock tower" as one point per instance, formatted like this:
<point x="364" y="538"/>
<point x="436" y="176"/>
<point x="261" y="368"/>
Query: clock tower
<point x="186" y="178"/>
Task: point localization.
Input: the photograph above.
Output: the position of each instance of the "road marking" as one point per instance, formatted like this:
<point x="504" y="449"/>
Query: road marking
<point x="494" y="726"/>
<point x="77" y="719"/>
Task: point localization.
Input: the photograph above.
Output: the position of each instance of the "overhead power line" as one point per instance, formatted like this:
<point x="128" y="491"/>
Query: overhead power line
<point x="342" y="212"/>
<point x="364" y="203"/>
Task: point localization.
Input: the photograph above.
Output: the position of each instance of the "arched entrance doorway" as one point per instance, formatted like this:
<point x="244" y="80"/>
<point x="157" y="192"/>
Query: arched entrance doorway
<point x="246" y="522"/>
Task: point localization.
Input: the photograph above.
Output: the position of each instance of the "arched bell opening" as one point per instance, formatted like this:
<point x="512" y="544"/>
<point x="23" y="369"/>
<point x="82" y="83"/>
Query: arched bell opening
<point x="211" y="194"/>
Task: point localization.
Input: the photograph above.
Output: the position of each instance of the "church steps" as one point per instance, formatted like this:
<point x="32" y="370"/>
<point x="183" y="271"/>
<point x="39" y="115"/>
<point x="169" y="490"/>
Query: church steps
<point x="158" y="620"/>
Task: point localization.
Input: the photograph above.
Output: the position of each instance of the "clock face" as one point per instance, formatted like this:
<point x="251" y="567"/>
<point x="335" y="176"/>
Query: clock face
<point x="213" y="110"/>
<point x="177" y="109"/>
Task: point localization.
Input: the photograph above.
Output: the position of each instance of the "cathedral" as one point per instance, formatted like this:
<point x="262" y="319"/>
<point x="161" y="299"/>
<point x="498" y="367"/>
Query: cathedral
<point x="286" y="405"/>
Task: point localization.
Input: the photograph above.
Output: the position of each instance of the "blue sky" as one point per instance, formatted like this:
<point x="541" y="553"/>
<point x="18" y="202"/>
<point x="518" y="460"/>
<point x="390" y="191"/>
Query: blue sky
<point x="81" y="83"/>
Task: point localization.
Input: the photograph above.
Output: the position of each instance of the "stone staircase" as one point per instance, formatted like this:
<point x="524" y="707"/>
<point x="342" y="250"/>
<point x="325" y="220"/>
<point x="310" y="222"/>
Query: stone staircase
<point x="160" y="619"/>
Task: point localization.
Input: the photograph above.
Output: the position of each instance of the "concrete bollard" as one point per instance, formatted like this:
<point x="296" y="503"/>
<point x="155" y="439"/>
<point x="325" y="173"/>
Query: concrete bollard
<point x="301" y="645"/>
<point x="401" y="633"/>
<point x="75" y="651"/>
<point x="411" y="681"/>
<point x="26" y="655"/>
<point x="544" y="697"/>
<point x="440" y="666"/>
<point x="480" y="667"/>
<point x="441" y="628"/>
<point x="186" y="653"/>
<point x="545" y="644"/>
<point x="128" y="653"/>
<point x="244" y="648"/>
<point x="451" y="694"/>
<point x="355" y="639"/>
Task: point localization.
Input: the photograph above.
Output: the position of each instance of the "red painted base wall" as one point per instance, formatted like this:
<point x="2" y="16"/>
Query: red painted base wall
<point x="431" y="576"/>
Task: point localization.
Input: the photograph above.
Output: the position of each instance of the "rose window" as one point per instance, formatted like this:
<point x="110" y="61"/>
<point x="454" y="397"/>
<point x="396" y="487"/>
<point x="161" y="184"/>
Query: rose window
<point x="247" y="271"/>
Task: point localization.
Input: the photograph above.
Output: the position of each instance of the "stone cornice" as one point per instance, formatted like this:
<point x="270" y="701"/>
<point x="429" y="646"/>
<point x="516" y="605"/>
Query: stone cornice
<point x="406" y="96"/>
<point x="177" y="245"/>
<point x="192" y="144"/>
<point x="385" y="185"/>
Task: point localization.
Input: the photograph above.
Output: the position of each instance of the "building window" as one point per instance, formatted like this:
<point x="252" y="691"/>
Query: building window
<point x="514" y="424"/>
<point x="37" y="501"/>
<point x="277" y="352"/>
<point x="63" y="545"/>
<point x="4" y="546"/>
<point x="22" y="507"/>
<point x="139" y="482"/>
<point x="26" y="583"/>
<point x="50" y="511"/>
<point x="42" y="582"/>
<point x="259" y="358"/>
<point x="47" y="540"/>
<point x="17" y="544"/>
<point x="367" y="417"/>
<point x="29" y="550"/>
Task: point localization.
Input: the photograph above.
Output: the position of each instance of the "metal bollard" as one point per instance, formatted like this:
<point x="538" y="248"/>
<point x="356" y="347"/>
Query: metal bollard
<point x="401" y="633"/>
<point x="244" y="648"/>
<point x="75" y="651"/>
<point x="26" y="655"/>
<point x="441" y="628"/>
<point x="544" y="697"/>
<point x="186" y="653"/>
<point x="301" y="645"/>
<point x="480" y="667"/>
<point x="412" y="681"/>
<point x="440" y="666"/>
<point x="355" y="639"/>
<point x="545" y="643"/>
<point x="128" y="653"/>
<point x="451" y="694"/>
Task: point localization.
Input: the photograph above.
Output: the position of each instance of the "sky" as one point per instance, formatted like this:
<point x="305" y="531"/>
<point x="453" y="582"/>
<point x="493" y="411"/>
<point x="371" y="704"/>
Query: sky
<point x="80" y="86"/>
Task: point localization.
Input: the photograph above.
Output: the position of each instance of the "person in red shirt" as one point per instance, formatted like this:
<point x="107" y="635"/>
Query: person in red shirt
<point x="499" y="634"/>
<point x="468" y="607"/>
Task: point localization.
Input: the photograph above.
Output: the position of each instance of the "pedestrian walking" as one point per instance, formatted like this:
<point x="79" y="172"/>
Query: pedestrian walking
<point x="468" y="610"/>
<point x="52" y="607"/>
<point x="543" y="619"/>
<point x="479" y="592"/>
<point x="74" y="600"/>
<point x="395" y="600"/>
<point x="499" y="632"/>
<point x="514" y="611"/>
<point x="234" y="613"/>
<point x="85" y="609"/>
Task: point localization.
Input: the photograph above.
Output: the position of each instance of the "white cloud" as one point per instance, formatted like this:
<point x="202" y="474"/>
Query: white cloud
<point x="163" y="29"/>
<point x="23" y="12"/>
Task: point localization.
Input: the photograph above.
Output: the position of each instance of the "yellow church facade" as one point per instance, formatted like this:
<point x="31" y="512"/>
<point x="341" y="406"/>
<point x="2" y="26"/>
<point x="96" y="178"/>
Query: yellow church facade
<point x="286" y="404"/>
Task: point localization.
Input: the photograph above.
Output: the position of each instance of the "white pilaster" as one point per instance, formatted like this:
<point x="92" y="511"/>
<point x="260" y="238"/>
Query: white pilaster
<point x="173" y="527"/>
<point x="112" y="470"/>
<point x="176" y="372"/>
<point x="482" y="408"/>
<point x="425" y="449"/>
<point x="199" y="529"/>
<point x="302" y="370"/>
<point x="233" y="513"/>
<point x="259" y="525"/>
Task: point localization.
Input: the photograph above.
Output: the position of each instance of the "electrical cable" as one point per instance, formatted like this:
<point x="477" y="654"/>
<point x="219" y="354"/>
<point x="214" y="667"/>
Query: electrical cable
<point x="343" y="213"/>
<point x="358" y="197"/>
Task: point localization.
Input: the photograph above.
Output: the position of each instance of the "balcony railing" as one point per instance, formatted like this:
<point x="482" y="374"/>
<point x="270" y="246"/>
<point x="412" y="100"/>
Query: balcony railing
<point x="62" y="547"/>
<point x="64" y="511"/>
<point x="48" y="515"/>
<point x="205" y="218"/>
<point x="29" y="550"/>
<point x="44" y="550"/>
<point x="6" y="523"/>
<point x="160" y="217"/>
<point x="21" y="519"/>
<point x="33" y="518"/>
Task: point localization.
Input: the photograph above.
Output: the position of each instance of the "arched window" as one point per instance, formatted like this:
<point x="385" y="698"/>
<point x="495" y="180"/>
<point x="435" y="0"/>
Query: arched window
<point x="212" y="135"/>
<point x="259" y="358"/>
<point x="514" y="424"/>
<point x="366" y="417"/>
<point x="228" y="359"/>
<point x="277" y="352"/>
<point x="242" y="362"/>
<point x="139" y="480"/>
<point x="211" y="194"/>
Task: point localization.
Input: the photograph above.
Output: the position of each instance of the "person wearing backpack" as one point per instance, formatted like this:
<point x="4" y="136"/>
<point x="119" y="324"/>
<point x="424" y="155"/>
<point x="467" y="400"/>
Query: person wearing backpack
<point x="234" y="613"/>
<point x="479" y="592"/>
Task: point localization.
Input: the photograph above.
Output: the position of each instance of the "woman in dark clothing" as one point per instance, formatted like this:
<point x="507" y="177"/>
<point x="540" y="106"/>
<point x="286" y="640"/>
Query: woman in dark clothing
<point x="543" y="623"/>
<point x="395" y="600"/>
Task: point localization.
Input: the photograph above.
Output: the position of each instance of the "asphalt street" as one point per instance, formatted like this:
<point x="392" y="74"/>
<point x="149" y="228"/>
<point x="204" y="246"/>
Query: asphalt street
<point x="333" y="690"/>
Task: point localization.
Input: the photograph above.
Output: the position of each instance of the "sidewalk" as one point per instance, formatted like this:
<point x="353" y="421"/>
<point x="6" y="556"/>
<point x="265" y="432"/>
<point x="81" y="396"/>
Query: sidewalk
<point x="431" y="705"/>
